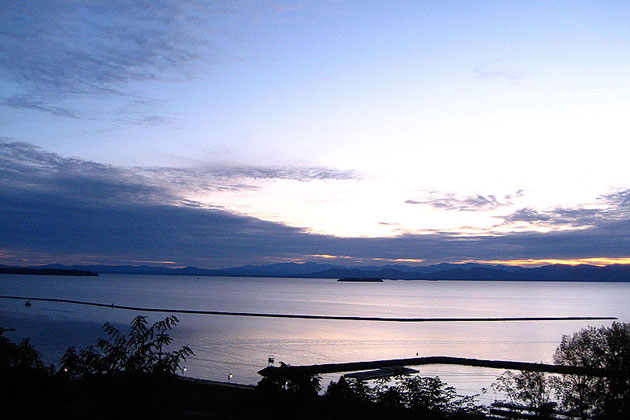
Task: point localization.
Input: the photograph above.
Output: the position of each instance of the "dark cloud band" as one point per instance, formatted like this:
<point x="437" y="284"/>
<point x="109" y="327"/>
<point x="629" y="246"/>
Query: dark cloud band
<point x="64" y="208"/>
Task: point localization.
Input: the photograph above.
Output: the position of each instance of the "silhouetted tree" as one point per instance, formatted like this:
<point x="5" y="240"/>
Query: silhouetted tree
<point x="424" y="397"/>
<point x="142" y="351"/>
<point x="292" y="381"/>
<point x="18" y="356"/>
<point x="603" y="347"/>
<point x="532" y="389"/>
<point x="590" y="396"/>
<point x="432" y="395"/>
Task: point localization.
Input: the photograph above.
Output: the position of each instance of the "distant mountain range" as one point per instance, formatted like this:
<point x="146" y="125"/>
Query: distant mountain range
<point x="469" y="271"/>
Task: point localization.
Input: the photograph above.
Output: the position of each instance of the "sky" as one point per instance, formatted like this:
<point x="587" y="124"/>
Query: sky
<point x="225" y="133"/>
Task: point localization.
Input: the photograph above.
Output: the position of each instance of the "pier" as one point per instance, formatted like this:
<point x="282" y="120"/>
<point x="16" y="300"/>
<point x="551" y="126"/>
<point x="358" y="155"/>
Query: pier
<point x="280" y="371"/>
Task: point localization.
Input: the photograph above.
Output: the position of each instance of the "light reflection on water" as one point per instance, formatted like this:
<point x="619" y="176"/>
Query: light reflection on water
<point x="241" y="345"/>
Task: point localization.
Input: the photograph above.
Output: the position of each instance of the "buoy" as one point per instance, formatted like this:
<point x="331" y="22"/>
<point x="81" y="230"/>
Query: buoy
<point x="28" y="303"/>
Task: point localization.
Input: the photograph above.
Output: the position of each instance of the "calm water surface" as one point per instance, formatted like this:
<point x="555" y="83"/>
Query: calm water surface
<point x="241" y="345"/>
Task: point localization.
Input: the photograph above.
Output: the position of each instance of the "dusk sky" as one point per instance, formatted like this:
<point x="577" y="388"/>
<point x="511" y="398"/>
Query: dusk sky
<point x="225" y="133"/>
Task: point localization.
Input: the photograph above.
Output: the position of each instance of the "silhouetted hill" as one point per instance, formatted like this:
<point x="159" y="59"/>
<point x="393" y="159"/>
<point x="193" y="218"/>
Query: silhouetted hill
<point x="45" y="271"/>
<point x="445" y="271"/>
<point x="556" y="272"/>
<point x="356" y="272"/>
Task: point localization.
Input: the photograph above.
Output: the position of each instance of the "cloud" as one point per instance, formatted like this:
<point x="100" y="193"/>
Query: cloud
<point x="70" y="210"/>
<point x="23" y="165"/>
<point x="451" y="202"/>
<point x="511" y="76"/>
<point x="619" y="199"/>
<point x="527" y="215"/>
<point x="28" y="102"/>
<point x="610" y="207"/>
<point x="55" y="49"/>
<point x="88" y="47"/>
<point x="26" y="168"/>
<point x="257" y="172"/>
<point x="501" y="69"/>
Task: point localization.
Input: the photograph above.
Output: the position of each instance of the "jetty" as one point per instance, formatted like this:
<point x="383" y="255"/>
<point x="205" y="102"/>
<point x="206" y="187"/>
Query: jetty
<point x="285" y="370"/>
<point x="385" y="372"/>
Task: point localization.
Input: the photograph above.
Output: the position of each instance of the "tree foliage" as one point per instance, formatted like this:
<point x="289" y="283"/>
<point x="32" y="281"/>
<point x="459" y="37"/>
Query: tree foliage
<point x="589" y="396"/>
<point x="18" y="356"/>
<point x="604" y="347"/>
<point x="531" y="389"/>
<point x="422" y="396"/>
<point x="142" y="351"/>
<point x="295" y="382"/>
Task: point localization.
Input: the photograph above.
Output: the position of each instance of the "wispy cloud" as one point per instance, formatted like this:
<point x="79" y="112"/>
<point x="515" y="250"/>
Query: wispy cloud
<point x="575" y="217"/>
<point x="511" y="76"/>
<point x="92" y="47"/>
<point x="31" y="103"/>
<point x="24" y="165"/>
<point x="501" y="69"/>
<point x="609" y="207"/>
<point x="453" y="202"/>
<point x="619" y="198"/>
<point x="55" y="49"/>
<point x="234" y="177"/>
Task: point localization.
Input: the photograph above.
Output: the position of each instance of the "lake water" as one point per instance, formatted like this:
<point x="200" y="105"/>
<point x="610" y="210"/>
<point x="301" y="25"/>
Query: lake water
<point x="242" y="345"/>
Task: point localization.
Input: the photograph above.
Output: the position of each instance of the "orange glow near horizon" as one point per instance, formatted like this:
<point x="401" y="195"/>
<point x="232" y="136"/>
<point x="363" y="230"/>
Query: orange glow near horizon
<point x="346" y="257"/>
<point x="411" y="260"/>
<point x="598" y="261"/>
<point x="330" y="257"/>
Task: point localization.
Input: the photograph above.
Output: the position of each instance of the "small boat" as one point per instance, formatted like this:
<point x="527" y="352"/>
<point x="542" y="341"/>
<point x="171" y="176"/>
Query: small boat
<point x="28" y="303"/>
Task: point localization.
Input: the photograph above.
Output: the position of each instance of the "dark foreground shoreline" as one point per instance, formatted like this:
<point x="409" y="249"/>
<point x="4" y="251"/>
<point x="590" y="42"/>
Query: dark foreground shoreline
<point x="35" y="395"/>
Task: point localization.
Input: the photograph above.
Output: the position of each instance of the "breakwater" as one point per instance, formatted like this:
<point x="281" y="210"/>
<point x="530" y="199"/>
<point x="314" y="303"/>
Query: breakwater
<point x="281" y="371"/>
<point x="299" y="316"/>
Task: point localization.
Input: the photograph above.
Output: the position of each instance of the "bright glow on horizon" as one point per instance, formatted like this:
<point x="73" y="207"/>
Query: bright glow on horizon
<point x="598" y="261"/>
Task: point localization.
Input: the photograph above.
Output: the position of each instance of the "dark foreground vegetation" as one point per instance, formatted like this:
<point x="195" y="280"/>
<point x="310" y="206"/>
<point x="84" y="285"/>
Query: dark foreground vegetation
<point x="134" y="375"/>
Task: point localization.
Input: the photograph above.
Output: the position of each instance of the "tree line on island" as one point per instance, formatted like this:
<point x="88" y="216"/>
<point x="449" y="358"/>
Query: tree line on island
<point x="468" y="271"/>
<point x="135" y="375"/>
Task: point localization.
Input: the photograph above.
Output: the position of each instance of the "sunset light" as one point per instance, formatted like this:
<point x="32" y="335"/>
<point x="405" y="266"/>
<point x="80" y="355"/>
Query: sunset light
<point x="532" y="262"/>
<point x="353" y="209"/>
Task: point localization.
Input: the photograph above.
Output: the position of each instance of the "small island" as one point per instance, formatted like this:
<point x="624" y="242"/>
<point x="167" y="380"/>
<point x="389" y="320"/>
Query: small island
<point x="362" y="279"/>
<point x="46" y="271"/>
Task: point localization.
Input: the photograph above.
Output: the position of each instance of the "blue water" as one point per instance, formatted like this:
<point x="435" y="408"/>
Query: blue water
<point x="241" y="346"/>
